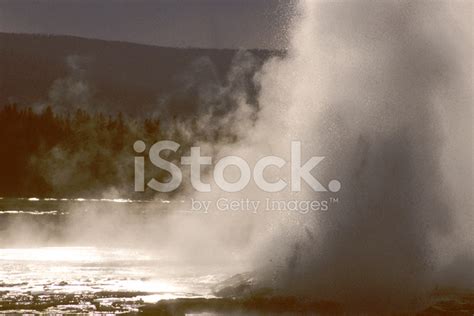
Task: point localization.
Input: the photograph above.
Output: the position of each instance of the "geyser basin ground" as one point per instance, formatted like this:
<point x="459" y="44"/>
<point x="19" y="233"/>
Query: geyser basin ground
<point x="40" y="274"/>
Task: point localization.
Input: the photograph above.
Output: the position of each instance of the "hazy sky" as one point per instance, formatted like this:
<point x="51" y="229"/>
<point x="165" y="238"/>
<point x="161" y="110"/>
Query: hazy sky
<point x="197" y="23"/>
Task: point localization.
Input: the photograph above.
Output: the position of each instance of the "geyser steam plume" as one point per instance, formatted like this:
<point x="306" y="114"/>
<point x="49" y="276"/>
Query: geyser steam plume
<point x="383" y="90"/>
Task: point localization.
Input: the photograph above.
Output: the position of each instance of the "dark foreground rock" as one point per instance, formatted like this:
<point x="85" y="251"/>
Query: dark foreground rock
<point x="441" y="302"/>
<point x="242" y="306"/>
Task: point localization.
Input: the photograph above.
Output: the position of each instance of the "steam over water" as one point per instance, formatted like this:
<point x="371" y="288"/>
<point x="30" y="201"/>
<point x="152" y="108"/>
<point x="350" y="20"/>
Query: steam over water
<point x="382" y="90"/>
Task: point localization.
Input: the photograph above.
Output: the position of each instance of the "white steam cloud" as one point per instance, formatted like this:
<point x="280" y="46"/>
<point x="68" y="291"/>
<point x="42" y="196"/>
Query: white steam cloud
<point x="383" y="90"/>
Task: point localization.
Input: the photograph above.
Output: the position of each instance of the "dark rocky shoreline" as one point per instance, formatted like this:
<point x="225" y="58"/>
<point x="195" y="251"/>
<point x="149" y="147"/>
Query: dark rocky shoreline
<point x="442" y="302"/>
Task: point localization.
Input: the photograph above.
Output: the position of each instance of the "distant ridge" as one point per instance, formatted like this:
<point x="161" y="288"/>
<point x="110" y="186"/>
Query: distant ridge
<point x="76" y="37"/>
<point x="121" y="76"/>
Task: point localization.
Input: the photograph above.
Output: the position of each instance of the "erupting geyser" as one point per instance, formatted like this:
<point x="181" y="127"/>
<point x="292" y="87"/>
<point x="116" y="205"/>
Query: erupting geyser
<point x="385" y="94"/>
<point x="382" y="91"/>
<point x="339" y="169"/>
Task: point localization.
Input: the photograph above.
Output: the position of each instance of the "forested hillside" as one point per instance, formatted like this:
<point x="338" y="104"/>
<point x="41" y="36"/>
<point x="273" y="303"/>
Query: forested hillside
<point x="46" y="154"/>
<point x="71" y="108"/>
<point x="112" y="76"/>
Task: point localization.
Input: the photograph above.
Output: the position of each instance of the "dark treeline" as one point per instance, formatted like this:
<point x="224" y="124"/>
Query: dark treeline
<point x="77" y="154"/>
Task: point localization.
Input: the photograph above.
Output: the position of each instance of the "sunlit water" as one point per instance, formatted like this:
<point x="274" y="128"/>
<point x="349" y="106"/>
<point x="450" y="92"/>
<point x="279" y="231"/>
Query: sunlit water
<point x="85" y="278"/>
